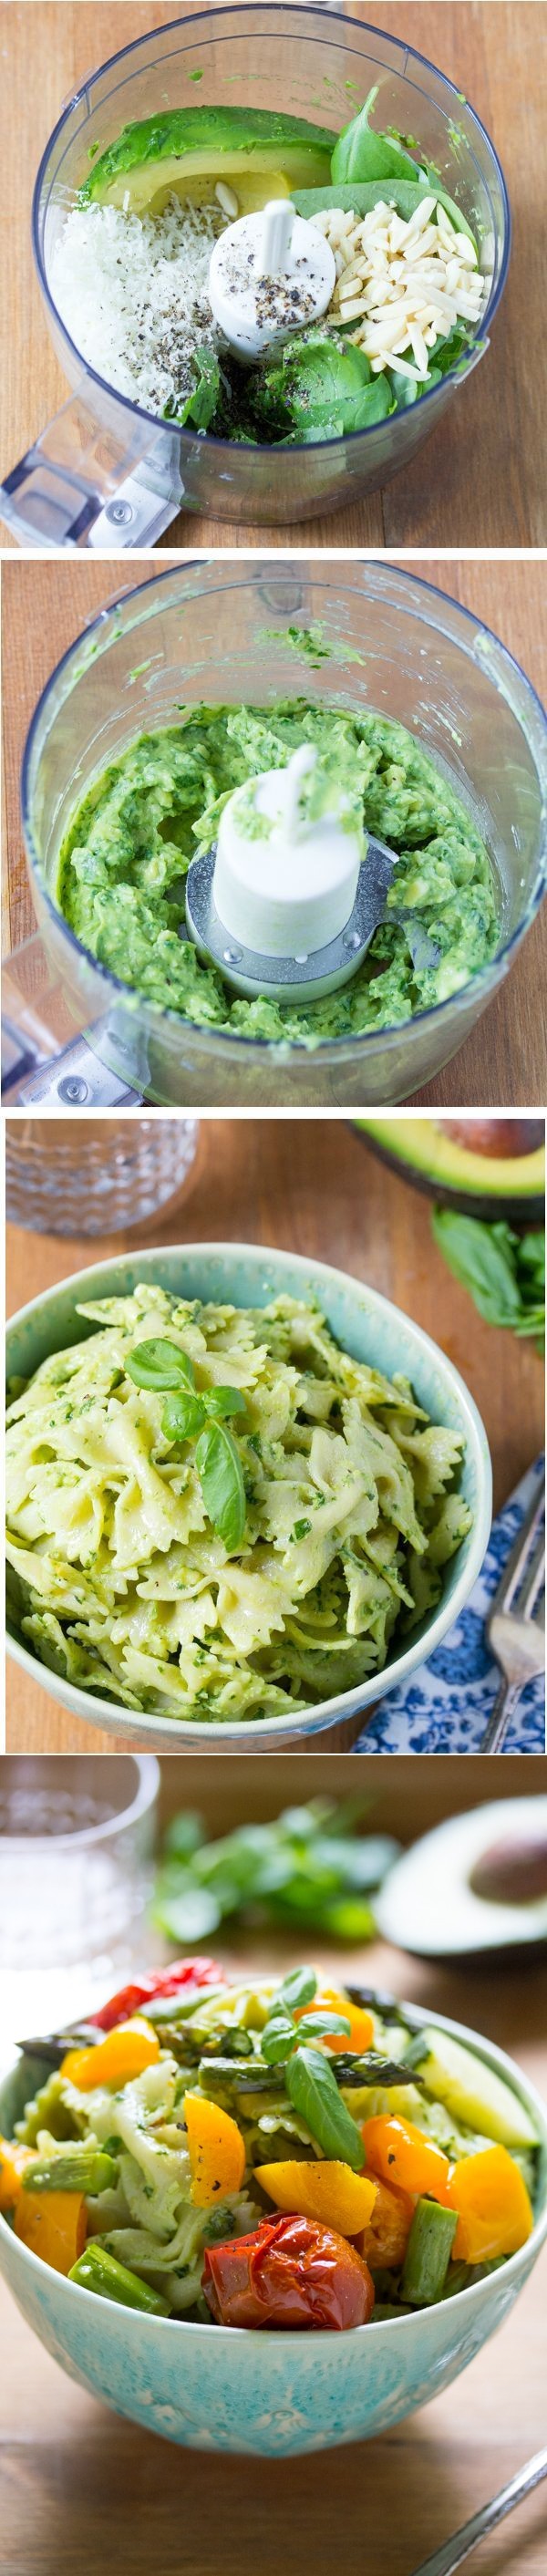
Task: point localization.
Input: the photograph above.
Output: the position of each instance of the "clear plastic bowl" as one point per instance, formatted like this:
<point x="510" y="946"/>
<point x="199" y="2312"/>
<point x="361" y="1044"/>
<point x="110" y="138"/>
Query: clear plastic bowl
<point x="221" y="630"/>
<point x="307" y="61"/>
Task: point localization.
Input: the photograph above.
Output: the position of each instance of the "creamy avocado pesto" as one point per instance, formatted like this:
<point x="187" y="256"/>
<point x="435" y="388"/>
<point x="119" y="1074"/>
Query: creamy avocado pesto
<point x="123" y="865"/>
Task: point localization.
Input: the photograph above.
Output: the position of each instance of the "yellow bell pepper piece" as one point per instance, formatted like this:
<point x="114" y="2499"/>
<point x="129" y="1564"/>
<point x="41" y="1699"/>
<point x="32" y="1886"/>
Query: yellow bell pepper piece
<point x="54" y="2225"/>
<point x="13" y="2159"/>
<point x="385" y="2239"/>
<point x="398" y="2151"/>
<point x="115" y="2060"/>
<point x="361" y="2032"/>
<point x="328" y="2191"/>
<point x="495" y="2211"/>
<point x="216" y="2150"/>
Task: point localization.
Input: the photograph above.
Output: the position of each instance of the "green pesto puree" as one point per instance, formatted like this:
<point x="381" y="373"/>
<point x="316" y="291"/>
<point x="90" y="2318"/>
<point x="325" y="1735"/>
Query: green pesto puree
<point x="124" y="860"/>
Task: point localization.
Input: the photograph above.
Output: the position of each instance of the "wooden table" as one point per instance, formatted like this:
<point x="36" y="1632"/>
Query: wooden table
<point x="80" y="2489"/>
<point x="479" y="481"/>
<point x="45" y="604"/>
<point x="313" y="1187"/>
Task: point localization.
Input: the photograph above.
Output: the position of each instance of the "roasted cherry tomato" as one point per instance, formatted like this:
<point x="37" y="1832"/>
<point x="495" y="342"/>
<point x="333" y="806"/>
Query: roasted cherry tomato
<point x="184" y="1976"/>
<point x="290" y="2272"/>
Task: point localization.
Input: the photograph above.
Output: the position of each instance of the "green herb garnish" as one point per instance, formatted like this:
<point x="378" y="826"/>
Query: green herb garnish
<point x="313" y="2091"/>
<point x="504" y="1272"/>
<point x="159" y="1366"/>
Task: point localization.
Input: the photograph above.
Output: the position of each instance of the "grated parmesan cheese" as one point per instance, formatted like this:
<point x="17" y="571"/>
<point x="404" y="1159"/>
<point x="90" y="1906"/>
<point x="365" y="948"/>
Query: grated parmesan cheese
<point x="132" y="292"/>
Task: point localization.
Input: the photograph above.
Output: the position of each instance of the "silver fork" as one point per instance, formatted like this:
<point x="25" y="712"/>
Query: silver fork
<point x="514" y="1626"/>
<point x="445" y="2560"/>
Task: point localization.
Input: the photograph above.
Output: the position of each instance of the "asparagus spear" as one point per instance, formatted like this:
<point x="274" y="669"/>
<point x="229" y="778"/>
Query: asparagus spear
<point x="98" y="2271"/>
<point x="79" y="2169"/>
<point x="428" y="2253"/>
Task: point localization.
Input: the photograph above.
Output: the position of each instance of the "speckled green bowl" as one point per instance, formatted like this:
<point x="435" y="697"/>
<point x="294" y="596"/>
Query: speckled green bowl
<point x="274" y="2395"/>
<point x="365" y="1324"/>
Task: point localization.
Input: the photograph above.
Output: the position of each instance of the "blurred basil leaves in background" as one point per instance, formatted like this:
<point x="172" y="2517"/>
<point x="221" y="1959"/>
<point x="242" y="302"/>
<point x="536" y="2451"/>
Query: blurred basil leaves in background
<point x="310" y="1868"/>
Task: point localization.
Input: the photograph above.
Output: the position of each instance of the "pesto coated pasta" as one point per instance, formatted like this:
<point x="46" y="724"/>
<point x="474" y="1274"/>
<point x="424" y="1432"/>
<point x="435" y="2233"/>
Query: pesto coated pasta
<point x="123" y="1573"/>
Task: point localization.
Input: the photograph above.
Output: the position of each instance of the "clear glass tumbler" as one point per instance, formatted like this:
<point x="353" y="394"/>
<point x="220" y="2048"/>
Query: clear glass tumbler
<point x="116" y="1174"/>
<point x="76" y="1849"/>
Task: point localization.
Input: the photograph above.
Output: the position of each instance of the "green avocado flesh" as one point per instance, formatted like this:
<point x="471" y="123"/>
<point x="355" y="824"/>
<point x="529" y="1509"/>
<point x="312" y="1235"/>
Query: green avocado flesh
<point x="478" y="1176"/>
<point x="189" y="147"/>
<point x="124" y="860"/>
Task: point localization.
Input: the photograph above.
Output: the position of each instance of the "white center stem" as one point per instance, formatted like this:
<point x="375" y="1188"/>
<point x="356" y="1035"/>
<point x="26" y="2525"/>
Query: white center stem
<point x="276" y="237"/>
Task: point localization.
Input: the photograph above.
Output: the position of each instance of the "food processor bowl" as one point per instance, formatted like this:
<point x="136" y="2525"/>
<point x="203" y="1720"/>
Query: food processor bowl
<point x="244" y="630"/>
<point x="105" y="473"/>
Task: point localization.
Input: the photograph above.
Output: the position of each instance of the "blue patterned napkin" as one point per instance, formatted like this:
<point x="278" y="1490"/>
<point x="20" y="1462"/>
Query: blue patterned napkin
<point x="445" y="1705"/>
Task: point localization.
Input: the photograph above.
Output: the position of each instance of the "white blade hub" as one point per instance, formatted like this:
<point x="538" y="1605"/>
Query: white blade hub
<point x="271" y="275"/>
<point x="285" y="886"/>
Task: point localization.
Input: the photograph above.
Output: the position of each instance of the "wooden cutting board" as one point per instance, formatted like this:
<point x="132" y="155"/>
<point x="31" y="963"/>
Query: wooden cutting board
<point x="479" y="481"/>
<point x="314" y="1187"/>
<point x="80" y="2490"/>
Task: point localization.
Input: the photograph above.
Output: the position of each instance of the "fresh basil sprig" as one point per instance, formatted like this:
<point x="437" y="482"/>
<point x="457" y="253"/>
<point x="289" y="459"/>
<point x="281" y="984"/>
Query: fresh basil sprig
<point x="503" y="1271"/>
<point x="313" y="2091"/>
<point x="282" y="2034"/>
<point x="161" y="1367"/>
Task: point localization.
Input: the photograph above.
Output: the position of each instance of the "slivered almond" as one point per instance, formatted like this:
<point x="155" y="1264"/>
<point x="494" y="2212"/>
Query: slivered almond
<point x="404" y="284"/>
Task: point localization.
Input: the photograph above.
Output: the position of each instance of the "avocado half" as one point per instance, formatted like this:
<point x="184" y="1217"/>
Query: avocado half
<point x="476" y="1882"/>
<point x="183" y="152"/>
<point x="486" y="1167"/>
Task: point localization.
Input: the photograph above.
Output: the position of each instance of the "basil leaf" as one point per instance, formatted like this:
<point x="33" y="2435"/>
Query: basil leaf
<point x="279" y="2039"/>
<point x="481" y="1256"/>
<point x="221" y="1477"/>
<point x="159" y="1364"/>
<point x="361" y="197"/>
<point x="202" y="400"/>
<point x="221" y="1400"/>
<point x="321" y="2022"/>
<point x="361" y="154"/>
<point x="531" y="1257"/>
<point x="320" y="388"/>
<point x="313" y="2091"/>
<point x="298" y="1988"/>
<point x="183" y="1415"/>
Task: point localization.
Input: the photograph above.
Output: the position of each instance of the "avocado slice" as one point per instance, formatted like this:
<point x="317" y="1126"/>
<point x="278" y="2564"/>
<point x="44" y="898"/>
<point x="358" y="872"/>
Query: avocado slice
<point x="188" y="149"/>
<point x="473" y="2093"/>
<point x="483" y="1166"/>
<point x="404" y="194"/>
<point x="432" y="1904"/>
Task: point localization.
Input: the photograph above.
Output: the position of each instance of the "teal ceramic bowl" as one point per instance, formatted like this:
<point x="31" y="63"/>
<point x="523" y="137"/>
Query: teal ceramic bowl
<point x="368" y="1326"/>
<point x="224" y="2389"/>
